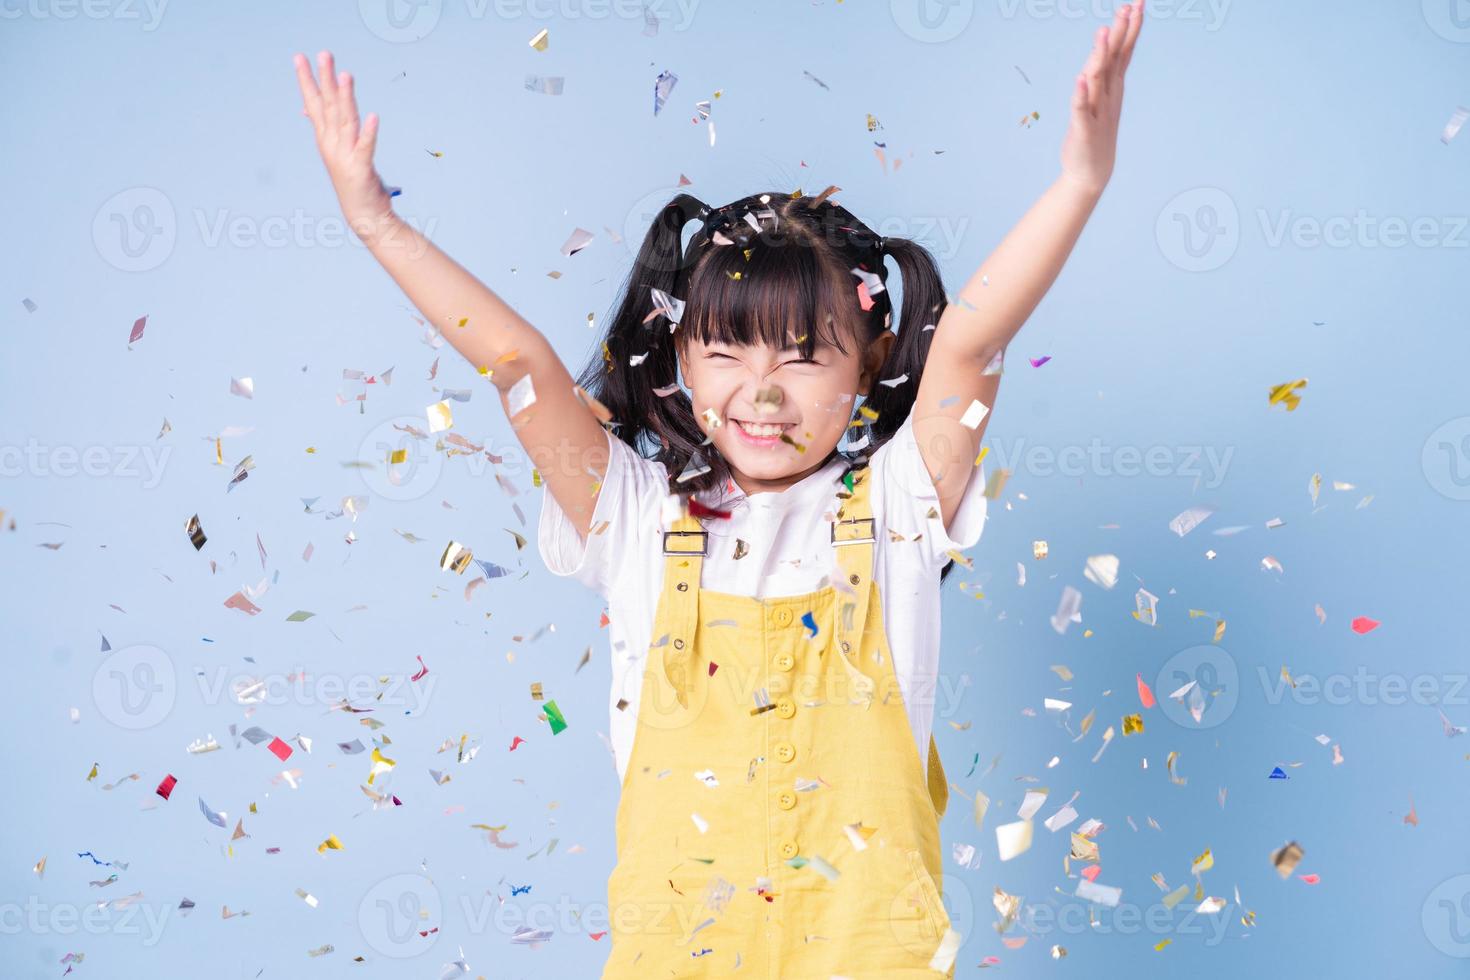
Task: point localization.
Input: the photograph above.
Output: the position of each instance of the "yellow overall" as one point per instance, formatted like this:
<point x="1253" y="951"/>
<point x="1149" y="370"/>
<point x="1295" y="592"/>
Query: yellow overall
<point x="775" y="817"/>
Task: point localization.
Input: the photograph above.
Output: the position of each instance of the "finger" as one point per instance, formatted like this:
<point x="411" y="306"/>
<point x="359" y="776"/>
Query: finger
<point x="349" y="108"/>
<point x="327" y="72"/>
<point x="1135" y="25"/>
<point x="1096" y="83"/>
<point x="1118" y="35"/>
<point x="1080" y="100"/>
<point x="367" y="143"/>
<point x="311" y="96"/>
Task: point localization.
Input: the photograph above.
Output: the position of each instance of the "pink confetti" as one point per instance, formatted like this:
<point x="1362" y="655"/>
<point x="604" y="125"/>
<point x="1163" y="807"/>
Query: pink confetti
<point x="1145" y="696"/>
<point x="1038" y="361"/>
<point x="281" y="749"/>
<point x="138" y="326"/>
<point x="1364" y="625"/>
<point x="422" y="673"/>
<point x="1310" y="879"/>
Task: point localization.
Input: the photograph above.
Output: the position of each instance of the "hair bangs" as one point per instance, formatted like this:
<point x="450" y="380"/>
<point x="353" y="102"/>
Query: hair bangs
<point x="786" y="294"/>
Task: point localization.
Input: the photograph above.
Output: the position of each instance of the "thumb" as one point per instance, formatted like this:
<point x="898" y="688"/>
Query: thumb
<point x="367" y="140"/>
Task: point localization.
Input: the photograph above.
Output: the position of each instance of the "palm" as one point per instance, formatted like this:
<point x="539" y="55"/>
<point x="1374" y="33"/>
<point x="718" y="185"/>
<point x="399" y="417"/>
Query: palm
<point x="345" y="144"/>
<point x="1097" y="101"/>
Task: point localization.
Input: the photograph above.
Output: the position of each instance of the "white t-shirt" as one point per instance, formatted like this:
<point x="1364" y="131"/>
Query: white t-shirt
<point x="790" y="552"/>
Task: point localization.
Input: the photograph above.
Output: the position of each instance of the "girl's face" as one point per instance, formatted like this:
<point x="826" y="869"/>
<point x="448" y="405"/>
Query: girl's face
<point x="777" y="415"/>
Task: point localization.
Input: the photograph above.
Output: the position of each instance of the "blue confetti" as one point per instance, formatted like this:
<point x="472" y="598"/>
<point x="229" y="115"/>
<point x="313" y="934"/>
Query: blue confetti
<point x="810" y="623"/>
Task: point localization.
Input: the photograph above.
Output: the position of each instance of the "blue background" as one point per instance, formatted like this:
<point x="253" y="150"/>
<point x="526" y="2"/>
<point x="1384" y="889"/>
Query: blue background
<point x="1180" y="308"/>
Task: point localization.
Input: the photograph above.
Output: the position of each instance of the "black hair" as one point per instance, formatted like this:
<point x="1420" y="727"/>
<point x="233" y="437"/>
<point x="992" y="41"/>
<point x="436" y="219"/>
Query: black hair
<point x="773" y="268"/>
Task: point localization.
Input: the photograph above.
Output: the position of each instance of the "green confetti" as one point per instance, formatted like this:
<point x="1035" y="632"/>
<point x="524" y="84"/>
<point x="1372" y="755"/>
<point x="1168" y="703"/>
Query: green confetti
<point x="553" y="715"/>
<point x="299" y="616"/>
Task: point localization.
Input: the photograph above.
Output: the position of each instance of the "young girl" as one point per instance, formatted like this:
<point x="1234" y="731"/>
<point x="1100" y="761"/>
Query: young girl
<point x="773" y="599"/>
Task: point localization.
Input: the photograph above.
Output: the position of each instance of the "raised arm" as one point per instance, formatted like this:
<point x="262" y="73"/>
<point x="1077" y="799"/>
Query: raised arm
<point x="559" y="432"/>
<point x="995" y="303"/>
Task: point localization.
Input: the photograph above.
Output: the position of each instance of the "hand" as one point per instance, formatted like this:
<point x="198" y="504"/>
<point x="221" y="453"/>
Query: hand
<point x="1097" y="102"/>
<point x="346" y="148"/>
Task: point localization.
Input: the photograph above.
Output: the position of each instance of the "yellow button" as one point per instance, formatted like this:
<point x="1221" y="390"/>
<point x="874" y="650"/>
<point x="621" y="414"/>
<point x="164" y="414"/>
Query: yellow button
<point x="785" y="661"/>
<point x="786" y="800"/>
<point x="789" y="849"/>
<point x="782" y="616"/>
<point x="785" y="751"/>
<point x="785" y="707"/>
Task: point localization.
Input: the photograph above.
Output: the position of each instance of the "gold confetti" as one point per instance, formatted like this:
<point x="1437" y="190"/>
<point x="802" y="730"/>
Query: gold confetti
<point x="1285" y="394"/>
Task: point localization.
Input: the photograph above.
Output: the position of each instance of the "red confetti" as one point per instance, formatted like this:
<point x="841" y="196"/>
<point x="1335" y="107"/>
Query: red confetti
<point x="697" y="509"/>
<point x="167" y="786"/>
<point x="597" y="935"/>
<point x="1145" y="696"/>
<point x="1310" y="879"/>
<point x="422" y="673"/>
<point x="137" y="331"/>
<point x="1364" y="625"/>
<point x="518" y="741"/>
<point x="1091" y="872"/>
<point x="603" y="620"/>
<point x="280" y="748"/>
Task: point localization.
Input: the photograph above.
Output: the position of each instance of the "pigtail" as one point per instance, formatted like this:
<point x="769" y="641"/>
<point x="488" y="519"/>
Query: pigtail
<point x="662" y="428"/>
<point x="923" y="303"/>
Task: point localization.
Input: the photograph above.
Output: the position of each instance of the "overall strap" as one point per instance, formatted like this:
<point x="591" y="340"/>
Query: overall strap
<point x="684" y="547"/>
<point x="853" y="535"/>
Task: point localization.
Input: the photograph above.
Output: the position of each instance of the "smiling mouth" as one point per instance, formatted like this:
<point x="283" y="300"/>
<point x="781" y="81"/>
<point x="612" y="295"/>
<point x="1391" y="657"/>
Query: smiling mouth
<point x="763" y="430"/>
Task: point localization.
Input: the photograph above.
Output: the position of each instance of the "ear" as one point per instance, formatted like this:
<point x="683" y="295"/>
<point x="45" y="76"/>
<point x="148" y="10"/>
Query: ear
<point x="874" y="357"/>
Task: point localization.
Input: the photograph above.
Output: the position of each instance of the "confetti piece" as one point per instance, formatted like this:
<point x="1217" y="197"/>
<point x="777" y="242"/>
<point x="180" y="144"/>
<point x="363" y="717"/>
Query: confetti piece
<point x="440" y="415"/>
<point x="1457" y="121"/>
<point x="1362" y="624"/>
<point x="974" y="415"/>
<point x="553" y="715"/>
<point x="1190" y="519"/>
<point x="1145" y="694"/>
<point x="137" y="332"/>
<point x="1013" y="839"/>
<point x="1286" y="858"/>
<point x="216" y="818"/>
<point x="810" y="622"/>
<point x="244" y="387"/>
<point x="1036" y="362"/>
<point x="579" y="239"/>
<point x="330" y="844"/>
<point x="522" y="395"/>
<point x="540" y="41"/>
<point x="663" y="87"/>
<point x="1285" y="394"/>
<point x="1102" y="570"/>
<point x="545" y="84"/>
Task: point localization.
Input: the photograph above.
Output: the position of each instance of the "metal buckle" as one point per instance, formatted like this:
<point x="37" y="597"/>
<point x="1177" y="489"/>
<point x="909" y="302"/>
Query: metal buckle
<point x="854" y="520"/>
<point x="703" y="542"/>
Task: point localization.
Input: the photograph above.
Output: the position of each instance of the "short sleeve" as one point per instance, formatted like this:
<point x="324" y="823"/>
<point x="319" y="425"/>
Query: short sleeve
<point x="906" y="498"/>
<point x="626" y="513"/>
